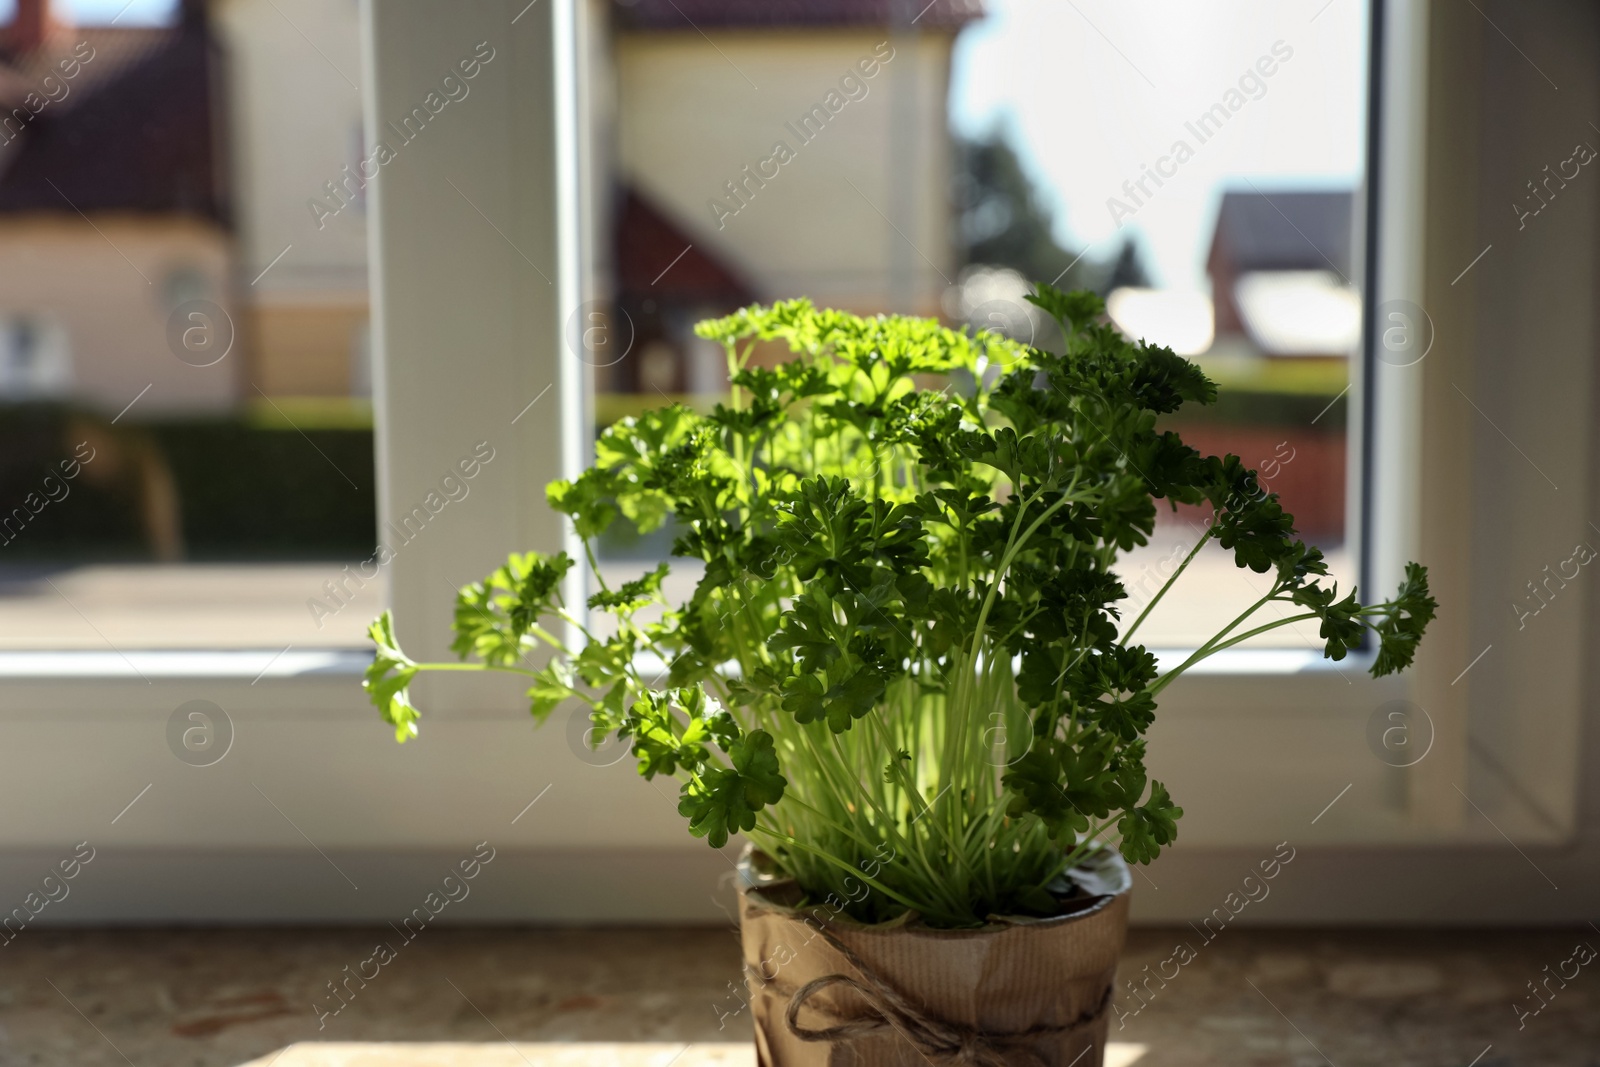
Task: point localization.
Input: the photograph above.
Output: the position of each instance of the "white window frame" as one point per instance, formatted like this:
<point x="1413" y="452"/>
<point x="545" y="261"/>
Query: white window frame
<point x="472" y="290"/>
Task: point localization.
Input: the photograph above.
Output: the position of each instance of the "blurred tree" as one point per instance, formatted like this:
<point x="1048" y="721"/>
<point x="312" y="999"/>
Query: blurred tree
<point x="1005" y="220"/>
<point x="1126" y="270"/>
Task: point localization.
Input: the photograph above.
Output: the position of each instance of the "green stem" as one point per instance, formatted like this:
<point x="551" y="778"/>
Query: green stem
<point x="1193" y="552"/>
<point x="474" y="667"/>
<point x="594" y="565"/>
<point x="794" y="842"/>
<point x="1090" y="843"/>
<point x="959" y="705"/>
<point x="1205" y="653"/>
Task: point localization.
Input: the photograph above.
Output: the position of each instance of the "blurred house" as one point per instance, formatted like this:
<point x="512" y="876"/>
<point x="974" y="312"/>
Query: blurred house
<point x="1277" y="330"/>
<point x="854" y="211"/>
<point x="294" y="105"/>
<point x="1182" y="321"/>
<point x="115" y="209"/>
<point x="664" y="284"/>
<point x="1280" y="267"/>
<point x="824" y="172"/>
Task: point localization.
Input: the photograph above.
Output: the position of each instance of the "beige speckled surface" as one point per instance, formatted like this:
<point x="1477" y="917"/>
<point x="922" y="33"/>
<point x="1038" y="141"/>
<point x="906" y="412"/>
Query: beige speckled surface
<point x="571" y="1054"/>
<point x="456" y="997"/>
<point x="466" y="1054"/>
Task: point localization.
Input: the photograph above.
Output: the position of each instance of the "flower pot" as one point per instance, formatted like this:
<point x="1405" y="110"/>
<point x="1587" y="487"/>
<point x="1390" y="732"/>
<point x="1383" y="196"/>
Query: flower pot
<point x="828" y="992"/>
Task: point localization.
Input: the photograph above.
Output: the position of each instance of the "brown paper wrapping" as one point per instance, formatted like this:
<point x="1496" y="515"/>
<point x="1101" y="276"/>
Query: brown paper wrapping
<point x="1029" y="992"/>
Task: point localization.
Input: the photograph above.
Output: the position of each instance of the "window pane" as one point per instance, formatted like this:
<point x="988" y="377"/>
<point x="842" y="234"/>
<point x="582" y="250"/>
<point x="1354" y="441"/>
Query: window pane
<point x="1201" y="167"/>
<point x="185" y="422"/>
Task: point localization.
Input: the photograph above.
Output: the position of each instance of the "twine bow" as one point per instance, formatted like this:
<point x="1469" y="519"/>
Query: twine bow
<point x="939" y="1041"/>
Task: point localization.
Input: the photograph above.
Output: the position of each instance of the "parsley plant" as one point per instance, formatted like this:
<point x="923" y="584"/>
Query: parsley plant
<point x="904" y="667"/>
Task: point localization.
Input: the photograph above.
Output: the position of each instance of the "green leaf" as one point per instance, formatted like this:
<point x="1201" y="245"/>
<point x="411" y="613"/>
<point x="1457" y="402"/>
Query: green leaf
<point x="1146" y="828"/>
<point x="806" y="629"/>
<point x="585" y="501"/>
<point x="1073" y="311"/>
<point x="554" y="685"/>
<point x="723" y="801"/>
<point x="629" y="597"/>
<point x="1405" y="619"/>
<point x="494" y="617"/>
<point x="1064" y="785"/>
<point x="388" y="680"/>
<point x="803" y="698"/>
<point x="911" y="545"/>
<point x="854" y="697"/>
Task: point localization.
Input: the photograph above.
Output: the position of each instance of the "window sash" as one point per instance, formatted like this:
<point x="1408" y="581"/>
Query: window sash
<point x="472" y="289"/>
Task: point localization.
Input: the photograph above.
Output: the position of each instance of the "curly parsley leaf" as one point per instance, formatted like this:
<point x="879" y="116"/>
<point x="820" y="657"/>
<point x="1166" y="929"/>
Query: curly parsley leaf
<point x="388" y="679"/>
<point x="725" y="800"/>
<point x="1149" y="826"/>
<point x="1407" y="616"/>
<point x="909" y="541"/>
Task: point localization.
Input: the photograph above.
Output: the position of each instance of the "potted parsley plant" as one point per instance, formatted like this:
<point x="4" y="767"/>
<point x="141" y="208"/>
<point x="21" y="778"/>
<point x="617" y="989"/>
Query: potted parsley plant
<point x="903" y="674"/>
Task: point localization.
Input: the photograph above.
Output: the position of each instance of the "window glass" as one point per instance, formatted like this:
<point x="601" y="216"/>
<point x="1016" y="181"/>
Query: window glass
<point x="185" y="424"/>
<point x="1200" y="166"/>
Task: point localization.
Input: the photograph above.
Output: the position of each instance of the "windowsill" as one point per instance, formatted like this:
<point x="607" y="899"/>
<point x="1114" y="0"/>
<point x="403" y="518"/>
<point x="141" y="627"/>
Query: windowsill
<point x="1261" y="661"/>
<point x="252" y="665"/>
<point x="87" y="623"/>
<point x="277" y="664"/>
<point x="180" y="607"/>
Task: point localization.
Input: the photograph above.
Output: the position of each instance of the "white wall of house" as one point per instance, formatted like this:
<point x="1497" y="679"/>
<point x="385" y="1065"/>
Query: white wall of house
<point x="105" y="312"/>
<point x="674" y="113"/>
<point x="294" y="71"/>
<point x="295" y="108"/>
<point x="859" y="216"/>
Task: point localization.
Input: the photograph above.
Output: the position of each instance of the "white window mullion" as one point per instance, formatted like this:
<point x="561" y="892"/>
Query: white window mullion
<point x="473" y="252"/>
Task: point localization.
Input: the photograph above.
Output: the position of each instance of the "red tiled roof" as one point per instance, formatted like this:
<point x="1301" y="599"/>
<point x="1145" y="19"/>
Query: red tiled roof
<point x="655" y="257"/>
<point x="140" y="129"/>
<point x="790" y="14"/>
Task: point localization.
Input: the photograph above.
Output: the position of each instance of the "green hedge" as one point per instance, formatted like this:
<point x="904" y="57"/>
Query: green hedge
<point x="244" y="491"/>
<point x="250" y="489"/>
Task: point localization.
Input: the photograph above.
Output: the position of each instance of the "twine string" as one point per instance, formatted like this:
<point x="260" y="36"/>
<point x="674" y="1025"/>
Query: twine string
<point x="938" y="1040"/>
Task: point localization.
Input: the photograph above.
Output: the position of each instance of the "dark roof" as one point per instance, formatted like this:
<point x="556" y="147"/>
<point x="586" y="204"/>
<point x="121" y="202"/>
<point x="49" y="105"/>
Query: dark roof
<point x="695" y="15"/>
<point x="1284" y="231"/>
<point x="656" y="258"/>
<point x="140" y="129"/>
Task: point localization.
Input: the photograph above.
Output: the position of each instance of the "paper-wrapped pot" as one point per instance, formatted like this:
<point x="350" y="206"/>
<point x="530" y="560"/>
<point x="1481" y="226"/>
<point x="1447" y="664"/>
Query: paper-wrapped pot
<point x="829" y="992"/>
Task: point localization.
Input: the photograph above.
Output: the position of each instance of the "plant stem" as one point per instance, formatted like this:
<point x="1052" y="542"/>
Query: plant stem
<point x="1193" y="552"/>
<point x="1204" y="653"/>
<point x="475" y="667"/>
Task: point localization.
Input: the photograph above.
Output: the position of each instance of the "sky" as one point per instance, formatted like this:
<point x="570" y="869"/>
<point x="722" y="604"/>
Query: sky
<point x="1091" y="91"/>
<point x="124" y="12"/>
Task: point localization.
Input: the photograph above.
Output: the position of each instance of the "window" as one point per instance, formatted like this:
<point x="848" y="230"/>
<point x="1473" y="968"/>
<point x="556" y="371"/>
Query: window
<point x="185" y="420"/>
<point x="495" y="230"/>
<point x="1203" y="170"/>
